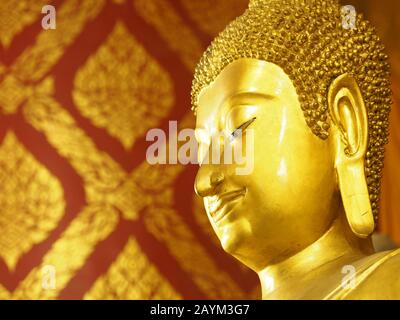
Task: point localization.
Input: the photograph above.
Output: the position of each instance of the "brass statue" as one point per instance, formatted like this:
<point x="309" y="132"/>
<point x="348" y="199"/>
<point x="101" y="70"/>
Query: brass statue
<point x="317" y="97"/>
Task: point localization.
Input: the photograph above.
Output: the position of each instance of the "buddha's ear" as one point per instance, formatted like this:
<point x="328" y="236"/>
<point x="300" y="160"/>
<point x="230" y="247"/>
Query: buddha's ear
<point x="350" y="136"/>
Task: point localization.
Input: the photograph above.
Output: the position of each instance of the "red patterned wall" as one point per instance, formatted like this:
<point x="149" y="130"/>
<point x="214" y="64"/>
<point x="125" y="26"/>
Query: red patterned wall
<point x="76" y="191"/>
<point x="76" y="194"/>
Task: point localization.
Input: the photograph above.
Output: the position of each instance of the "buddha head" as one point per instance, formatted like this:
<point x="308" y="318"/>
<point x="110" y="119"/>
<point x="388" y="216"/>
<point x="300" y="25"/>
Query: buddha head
<point x="317" y="97"/>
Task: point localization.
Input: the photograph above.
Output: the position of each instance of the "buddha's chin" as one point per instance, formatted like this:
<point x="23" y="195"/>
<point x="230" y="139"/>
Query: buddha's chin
<point x="232" y="237"/>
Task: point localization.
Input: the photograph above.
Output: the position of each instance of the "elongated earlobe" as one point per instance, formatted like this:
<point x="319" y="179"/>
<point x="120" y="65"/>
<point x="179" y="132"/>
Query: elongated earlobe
<point x="350" y="134"/>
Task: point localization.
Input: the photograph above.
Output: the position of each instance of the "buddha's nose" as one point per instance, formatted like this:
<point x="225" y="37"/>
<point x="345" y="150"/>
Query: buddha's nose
<point x="207" y="181"/>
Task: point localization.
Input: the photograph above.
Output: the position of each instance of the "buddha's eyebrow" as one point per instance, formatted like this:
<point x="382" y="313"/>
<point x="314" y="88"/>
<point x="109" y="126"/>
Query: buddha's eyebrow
<point x="246" y="98"/>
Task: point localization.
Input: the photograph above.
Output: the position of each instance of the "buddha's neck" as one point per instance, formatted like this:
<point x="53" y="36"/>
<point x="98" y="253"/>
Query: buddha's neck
<point x="331" y="246"/>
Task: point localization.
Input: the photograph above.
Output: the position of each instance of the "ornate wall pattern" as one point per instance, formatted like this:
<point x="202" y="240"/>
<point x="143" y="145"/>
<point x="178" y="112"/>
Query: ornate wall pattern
<point x="76" y="191"/>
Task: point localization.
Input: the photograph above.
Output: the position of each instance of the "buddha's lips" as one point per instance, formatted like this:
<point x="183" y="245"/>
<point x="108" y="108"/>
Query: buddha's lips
<point x="218" y="202"/>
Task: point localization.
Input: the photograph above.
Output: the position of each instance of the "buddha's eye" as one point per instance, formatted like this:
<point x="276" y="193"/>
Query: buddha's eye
<point x="237" y="132"/>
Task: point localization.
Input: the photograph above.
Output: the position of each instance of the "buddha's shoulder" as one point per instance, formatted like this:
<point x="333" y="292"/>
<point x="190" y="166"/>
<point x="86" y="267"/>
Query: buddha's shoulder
<point x="377" y="277"/>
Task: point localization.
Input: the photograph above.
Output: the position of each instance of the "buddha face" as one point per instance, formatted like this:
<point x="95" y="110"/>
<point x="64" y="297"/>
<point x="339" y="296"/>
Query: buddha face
<point x="290" y="198"/>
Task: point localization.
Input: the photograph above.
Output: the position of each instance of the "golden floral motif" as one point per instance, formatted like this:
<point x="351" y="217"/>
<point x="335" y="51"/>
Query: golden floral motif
<point x="172" y="29"/>
<point x="111" y="193"/>
<point x="92" y="225"/>
<point x="105" y="181"/>
<point x="24" y="80"/>
<point x="122" y="88"/>
<point x="37" y="60"/>
<point x="31" y="201"/>
<point x="4" y="294"/>
<point x="132" y="276"/>
<point x="12" y="94"/>
<point x="33" y="64"/>
<point x="15" y="15"/>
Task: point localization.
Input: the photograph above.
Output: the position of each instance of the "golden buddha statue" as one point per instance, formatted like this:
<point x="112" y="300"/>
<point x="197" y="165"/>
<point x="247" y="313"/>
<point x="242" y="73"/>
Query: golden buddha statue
<point x="317" y="97"/>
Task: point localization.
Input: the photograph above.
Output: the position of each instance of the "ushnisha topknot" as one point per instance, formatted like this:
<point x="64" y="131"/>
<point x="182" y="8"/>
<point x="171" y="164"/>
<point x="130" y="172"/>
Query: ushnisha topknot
<point x="307" y="40"/>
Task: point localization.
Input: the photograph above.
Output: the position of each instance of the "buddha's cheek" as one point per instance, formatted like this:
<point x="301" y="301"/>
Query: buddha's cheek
<point x="288" y="201"/>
